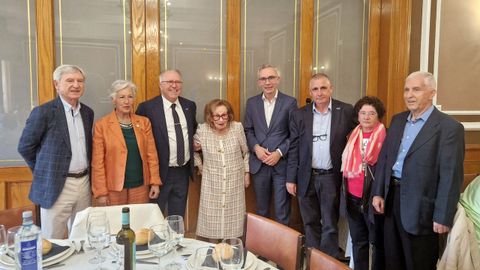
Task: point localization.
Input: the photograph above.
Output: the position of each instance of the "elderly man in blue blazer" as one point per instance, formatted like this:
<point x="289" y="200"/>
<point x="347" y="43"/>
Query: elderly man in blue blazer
<point x="266" y="127"/>
<point x="418" y="177"/>
<point x="173" y="124"/>
<point x="56" y="143"/>
<point x="318" y="135"/>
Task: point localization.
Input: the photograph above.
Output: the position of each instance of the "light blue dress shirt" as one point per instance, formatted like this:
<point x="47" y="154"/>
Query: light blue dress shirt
<point x="321" y="138"/>
<point x="412" y="128"/>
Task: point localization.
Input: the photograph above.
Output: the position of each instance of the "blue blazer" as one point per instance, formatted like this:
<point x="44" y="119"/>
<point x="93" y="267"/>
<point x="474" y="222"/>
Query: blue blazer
<point x="45" y="146"/>
<point x="272" y="137"/>
<point x="432" y="172"/>
<point x="153" y="109"/>
<point x="299" y="167"/>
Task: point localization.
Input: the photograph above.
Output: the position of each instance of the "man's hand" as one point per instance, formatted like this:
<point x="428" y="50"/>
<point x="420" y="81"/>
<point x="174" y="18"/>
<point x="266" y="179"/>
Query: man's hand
<point x="261" y="153"/>
<point x="292" y="188"/>
<point x="273" y="158"/>
<point x="379" y="204"/>
<point x="439" y="228"/>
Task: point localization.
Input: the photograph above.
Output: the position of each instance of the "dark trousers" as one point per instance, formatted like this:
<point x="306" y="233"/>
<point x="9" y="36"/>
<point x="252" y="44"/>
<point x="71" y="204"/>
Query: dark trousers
<point x="402" y="249"/>
<point x="360" y="228"/>
<point x="319" y="210"/>
<point x="174" y="191"/>
<point x="266" y="181"/>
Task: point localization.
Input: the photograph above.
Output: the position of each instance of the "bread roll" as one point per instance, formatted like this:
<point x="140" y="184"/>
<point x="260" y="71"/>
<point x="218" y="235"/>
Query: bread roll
<point x="142" y="237"/>
<point x="222" y="250"/>
<point x="46" y="246"/>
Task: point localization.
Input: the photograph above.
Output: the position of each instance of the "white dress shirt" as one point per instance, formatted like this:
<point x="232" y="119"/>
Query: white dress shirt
<point x="172" y="138"/>
<point x="269" y="105"/>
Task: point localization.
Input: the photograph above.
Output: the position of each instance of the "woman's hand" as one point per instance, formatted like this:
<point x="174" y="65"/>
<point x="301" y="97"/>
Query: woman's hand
<point x="154" y="192"/>
<point x="246" y="180"/>
<point x="102" y="200"/>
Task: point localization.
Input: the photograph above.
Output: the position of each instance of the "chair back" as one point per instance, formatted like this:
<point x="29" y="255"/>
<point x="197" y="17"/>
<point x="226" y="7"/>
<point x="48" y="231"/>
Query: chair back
<point x="141" y="216"/>
<point x="317" y="260"/>
<point x="13" y="217"/>
<point x="274" y="241"/>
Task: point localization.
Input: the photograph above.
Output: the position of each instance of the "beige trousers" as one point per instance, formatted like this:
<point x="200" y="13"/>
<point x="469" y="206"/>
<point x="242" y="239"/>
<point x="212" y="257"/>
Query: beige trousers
<point x="75" y="196"/>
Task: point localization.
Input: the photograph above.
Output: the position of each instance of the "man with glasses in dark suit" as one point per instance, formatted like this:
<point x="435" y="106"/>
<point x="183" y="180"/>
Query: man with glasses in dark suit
<point x="318" y="134"/>
<point x="267" y="117"/>
<point x="173" y="124"/>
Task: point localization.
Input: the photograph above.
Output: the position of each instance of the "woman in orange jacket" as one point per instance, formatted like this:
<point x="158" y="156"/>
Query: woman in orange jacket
<point x="125" y="166"/>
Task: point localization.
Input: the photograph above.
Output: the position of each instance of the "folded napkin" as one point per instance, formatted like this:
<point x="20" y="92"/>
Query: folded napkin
<point x="56" y="249"/>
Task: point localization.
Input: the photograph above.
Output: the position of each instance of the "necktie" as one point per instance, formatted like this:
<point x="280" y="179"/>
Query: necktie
<point x="179" y="135"/>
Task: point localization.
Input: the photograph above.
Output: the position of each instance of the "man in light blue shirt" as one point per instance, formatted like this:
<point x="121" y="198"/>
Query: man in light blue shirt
<point x="418" y="177"/>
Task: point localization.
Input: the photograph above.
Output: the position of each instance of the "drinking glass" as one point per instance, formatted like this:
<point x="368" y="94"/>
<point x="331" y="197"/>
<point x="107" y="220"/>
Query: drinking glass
<point x="159" y="242"/>
<point x="3" y="240"/>
<point x="205" y="259"/>
<point x="177" y="230"/>
<point x="98" y="232"/>
<point x="11" y="232"/>
<point x="231" y="255"/>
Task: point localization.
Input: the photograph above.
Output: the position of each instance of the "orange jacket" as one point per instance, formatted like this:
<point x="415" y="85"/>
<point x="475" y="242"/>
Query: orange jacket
<point x="109" y="157"/>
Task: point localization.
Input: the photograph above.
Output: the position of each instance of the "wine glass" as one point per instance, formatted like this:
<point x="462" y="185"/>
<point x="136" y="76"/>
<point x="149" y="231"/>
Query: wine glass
<point x="11" y="232"/>
<point x="159" y="242"/>
<point x="3" y="240"/>
<point x="177" y="230"/>
<point x="231" y="253"/>
<point x="98" y="232"/>
<point x="206" y="259"/>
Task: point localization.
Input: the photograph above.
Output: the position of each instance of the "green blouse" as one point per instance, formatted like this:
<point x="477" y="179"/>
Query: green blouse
<point x="134" y="168"/>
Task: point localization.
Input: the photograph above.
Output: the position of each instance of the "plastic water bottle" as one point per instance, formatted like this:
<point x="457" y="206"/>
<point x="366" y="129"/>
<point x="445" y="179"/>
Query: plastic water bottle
<point x="28" y="245"/>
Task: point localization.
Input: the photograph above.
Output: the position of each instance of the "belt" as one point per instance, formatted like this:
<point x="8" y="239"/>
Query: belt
<point x="321" y="171"/>
<point x="79" y="174"/>
<point x="396" y="181"/>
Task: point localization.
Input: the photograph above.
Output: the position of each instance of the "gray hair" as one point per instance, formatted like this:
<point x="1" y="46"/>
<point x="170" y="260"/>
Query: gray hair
<point x="428" y="78"/>
<point x="66" y="69"/>
<point x="264" y="66"/>
<point x="119" y="85"/>
<point x="168" y="70"/>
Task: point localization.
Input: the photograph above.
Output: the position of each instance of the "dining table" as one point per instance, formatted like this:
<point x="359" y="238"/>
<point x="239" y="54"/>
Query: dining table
<point x="76" y="257"/>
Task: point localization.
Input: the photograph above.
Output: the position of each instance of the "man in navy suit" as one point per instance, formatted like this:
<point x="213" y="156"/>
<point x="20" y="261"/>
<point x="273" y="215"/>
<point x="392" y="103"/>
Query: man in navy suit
<point x="56" y="144"/>
<point x="266" y="127"/>
<point x="173" y="124"/>
<point x="418" y="177"/>
<point x="318" y="134"/>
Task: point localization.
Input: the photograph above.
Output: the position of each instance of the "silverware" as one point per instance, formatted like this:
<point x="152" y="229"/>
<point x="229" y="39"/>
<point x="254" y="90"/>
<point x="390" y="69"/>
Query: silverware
<point x="81" y="246"/>
<point x="54" y="266"/>
<point x="140" y="261"/>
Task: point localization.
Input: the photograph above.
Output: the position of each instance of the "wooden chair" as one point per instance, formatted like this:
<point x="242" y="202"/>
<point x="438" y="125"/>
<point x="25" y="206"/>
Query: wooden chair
<point x="13" y="216"/>
<point x="273" y="241"/>
<point x="317" y="260"/>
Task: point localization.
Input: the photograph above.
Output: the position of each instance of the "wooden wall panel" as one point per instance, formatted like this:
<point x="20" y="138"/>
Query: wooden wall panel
<point x="234" y="13"/>
<point x="373" y="50"/>
<point x="14" y="187"/>
<point x="45" y="49"/>
<point x="306" y="49"/>
<point x="152" y="26"/>
<point x="138" y="48"/>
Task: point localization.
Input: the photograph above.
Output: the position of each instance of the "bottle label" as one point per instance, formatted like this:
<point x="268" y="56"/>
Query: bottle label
<point x="28" y="255"/>
<point x="125" y="218"/>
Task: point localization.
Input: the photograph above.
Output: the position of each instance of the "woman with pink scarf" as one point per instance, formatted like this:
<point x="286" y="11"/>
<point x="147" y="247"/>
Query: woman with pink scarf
<point x="358" y="165"/>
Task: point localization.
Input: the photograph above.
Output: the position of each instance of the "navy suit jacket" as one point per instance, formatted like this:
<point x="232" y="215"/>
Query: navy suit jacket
<point x="275" y="136"/>
<point x="45" y="146"/>
<point x="432" y="172"/>
<point x="153" y="109"/>
<point x="299" y="167"/>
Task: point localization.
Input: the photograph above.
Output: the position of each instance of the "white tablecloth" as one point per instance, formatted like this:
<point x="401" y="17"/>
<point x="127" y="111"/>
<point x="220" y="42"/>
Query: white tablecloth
<point x="79" y="261"/>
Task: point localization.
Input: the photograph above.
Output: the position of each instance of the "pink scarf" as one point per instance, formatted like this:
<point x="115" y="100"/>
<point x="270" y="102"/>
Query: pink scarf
<point x="352" y="155"/>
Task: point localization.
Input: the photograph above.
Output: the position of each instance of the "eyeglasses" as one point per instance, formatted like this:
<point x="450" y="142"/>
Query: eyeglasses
<point x="322" y="137"/>
<point x="269" y="78"/>
<point x="367" y="113"/>
<point x="217" y="117"/>
<point x="172" y="82"/>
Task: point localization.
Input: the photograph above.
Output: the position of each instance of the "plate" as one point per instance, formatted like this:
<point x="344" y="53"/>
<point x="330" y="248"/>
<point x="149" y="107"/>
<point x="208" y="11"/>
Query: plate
<point x="142" y="254"/>
<point x="8" y="261"/>
<point x="251" y="262"/>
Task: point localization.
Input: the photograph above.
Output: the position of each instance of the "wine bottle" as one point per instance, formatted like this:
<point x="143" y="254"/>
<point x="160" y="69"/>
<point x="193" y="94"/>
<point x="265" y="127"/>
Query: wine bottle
<point x="126" y="241"/>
